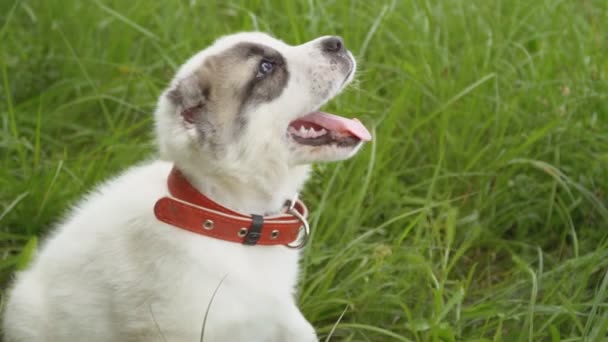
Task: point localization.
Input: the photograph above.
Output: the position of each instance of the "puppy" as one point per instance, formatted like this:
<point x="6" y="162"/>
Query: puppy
<point x="202" y="243"/>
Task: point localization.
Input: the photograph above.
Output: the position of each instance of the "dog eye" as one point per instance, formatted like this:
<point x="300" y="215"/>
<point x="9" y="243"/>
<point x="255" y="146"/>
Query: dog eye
<point x="264" y="69"/>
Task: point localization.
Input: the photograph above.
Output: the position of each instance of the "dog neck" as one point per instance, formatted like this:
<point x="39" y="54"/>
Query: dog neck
<point x="262" y="192"/>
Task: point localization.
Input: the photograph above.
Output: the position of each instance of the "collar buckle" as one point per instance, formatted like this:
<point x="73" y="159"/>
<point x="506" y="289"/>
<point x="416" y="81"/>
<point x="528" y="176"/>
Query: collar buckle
<point x="255" y="231"/>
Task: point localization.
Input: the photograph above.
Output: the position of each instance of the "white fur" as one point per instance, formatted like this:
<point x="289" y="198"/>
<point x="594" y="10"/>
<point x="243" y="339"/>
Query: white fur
<point x="112" y="272"/>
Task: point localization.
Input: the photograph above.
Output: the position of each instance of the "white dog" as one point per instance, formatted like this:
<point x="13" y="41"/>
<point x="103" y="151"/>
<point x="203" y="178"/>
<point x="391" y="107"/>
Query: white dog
<point x="162" y="255"/>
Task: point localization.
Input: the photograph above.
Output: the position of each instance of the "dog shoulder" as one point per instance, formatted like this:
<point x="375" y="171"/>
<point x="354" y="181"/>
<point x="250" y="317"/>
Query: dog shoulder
<point x="108" y="211"/>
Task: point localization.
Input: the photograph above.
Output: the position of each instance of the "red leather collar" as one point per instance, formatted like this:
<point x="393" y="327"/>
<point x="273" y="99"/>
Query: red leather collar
<point x="191" y="210"/>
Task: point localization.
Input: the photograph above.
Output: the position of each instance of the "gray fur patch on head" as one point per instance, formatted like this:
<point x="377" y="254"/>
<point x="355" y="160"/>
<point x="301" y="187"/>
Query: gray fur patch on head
<point x="255" y="90"/>
<point x="217" y="96"/>
<point x="268" y="88"/>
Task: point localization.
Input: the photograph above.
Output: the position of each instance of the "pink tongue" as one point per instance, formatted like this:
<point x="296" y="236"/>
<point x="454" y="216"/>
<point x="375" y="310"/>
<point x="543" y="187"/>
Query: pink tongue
<point x="338" y="124"/>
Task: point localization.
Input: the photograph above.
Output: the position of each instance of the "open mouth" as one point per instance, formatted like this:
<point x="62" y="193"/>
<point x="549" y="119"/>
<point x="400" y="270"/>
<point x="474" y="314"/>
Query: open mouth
<point x="318" y="129"/>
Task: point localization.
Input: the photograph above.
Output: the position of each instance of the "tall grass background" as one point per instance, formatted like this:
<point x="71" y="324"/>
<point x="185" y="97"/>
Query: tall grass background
<point x="478" y="213"/>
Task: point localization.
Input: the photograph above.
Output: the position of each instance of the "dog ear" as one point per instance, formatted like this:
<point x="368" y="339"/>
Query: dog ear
<point x="191" y="96"/>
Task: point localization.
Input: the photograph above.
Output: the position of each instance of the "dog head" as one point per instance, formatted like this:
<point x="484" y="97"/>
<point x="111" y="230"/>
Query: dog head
<point x="250" y="100"/>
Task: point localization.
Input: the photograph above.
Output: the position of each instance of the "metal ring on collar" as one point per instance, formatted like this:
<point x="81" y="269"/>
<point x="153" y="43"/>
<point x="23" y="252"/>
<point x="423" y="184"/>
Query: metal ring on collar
<point x="302" y="239"/>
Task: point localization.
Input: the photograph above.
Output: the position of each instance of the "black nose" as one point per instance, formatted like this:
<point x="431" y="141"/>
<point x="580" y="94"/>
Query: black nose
<point x="333" y="45"/>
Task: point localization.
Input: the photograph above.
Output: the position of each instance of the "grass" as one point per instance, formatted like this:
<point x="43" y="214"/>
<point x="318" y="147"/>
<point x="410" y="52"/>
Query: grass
<point x="479" y="212"/>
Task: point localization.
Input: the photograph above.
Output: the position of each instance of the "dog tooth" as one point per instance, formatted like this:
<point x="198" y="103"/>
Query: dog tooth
<point x="322" y="131"/>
